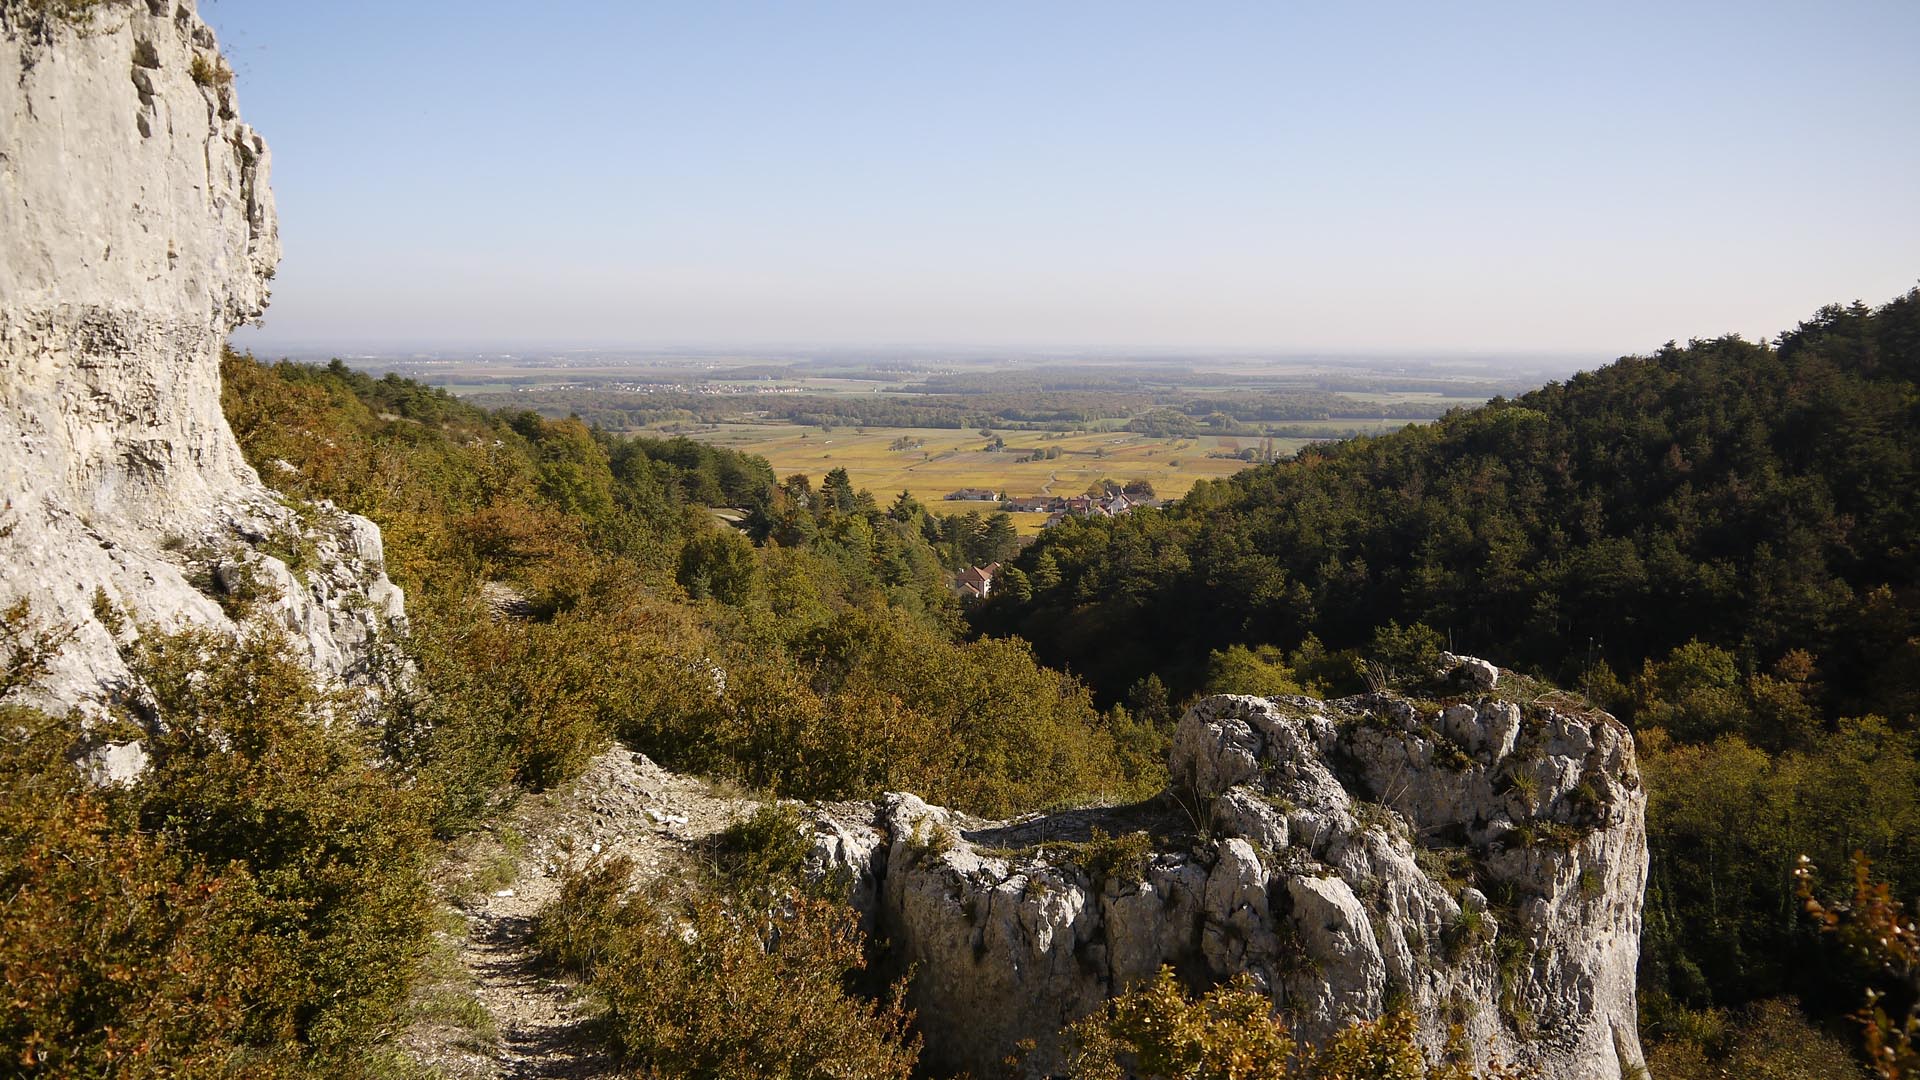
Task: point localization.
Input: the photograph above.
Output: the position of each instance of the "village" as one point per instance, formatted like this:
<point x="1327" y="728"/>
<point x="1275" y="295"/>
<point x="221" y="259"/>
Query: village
<point x="1103" y="499"/>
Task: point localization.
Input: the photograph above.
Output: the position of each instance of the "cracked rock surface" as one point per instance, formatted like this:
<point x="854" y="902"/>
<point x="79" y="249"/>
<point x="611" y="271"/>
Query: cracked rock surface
<point x="137" y="230"/>
<point x="1478" y="857"/>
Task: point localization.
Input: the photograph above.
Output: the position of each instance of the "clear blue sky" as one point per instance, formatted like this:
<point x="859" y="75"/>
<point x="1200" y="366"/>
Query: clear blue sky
<point x="1454" y="177"/>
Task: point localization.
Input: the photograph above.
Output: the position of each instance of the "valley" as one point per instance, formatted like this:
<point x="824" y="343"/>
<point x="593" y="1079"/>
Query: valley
<point x="1439" y="708"/>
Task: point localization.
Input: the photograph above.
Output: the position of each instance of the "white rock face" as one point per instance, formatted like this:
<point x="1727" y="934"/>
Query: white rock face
<point x="137" y="230"/>
<point x="1479" y="861"/>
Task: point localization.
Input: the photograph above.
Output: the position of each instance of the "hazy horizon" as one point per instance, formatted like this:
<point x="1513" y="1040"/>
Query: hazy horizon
<point x="1407" y="180"/>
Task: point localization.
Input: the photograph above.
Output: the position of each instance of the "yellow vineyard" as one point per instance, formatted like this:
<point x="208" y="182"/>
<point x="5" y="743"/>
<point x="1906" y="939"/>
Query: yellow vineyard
<point x="932" y="462"/>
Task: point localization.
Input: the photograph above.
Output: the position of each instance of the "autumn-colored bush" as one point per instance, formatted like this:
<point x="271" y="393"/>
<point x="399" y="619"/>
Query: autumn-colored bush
<point x="254" y="773"/>
<point x="115" y="945"/>
<point x="1769" y="1040"/>
<point x="1158" y="1032"/>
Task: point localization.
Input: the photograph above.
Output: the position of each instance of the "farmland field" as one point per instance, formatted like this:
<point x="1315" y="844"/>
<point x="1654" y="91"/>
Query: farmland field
<point x="946" y="459"/>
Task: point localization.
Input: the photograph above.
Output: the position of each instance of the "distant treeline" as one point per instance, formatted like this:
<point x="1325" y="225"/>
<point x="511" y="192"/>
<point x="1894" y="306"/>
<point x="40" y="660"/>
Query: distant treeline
<point x="1184" y="413"/>
<point x="1135" y="380"/>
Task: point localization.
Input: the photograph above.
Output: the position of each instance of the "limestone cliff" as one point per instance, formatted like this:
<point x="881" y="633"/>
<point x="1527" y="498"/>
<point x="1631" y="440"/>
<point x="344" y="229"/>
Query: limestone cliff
<point x="137" y="230"/>
<point x="1478" y="857"/>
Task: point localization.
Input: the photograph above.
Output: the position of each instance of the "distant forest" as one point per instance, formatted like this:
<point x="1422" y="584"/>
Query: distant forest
<point x="1182" y="413"/>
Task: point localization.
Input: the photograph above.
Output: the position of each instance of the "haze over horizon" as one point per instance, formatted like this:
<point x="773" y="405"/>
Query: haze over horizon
<point x="1500" y="181"/>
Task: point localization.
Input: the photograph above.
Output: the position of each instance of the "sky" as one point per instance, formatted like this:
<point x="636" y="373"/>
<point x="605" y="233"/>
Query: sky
<point x="1462" y="178"/>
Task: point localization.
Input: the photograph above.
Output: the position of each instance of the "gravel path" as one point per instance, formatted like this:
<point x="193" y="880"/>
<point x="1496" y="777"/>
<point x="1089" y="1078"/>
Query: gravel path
<point x="489" y="1010"/>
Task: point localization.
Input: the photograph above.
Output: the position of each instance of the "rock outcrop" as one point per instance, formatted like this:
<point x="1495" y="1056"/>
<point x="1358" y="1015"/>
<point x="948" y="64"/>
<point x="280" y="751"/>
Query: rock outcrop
<point x="137" y="231"/>
<point x="1478" y="858"/>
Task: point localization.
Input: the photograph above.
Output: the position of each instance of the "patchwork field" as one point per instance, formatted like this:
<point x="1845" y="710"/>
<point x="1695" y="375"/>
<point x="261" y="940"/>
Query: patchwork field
<point x="930" y="462"/>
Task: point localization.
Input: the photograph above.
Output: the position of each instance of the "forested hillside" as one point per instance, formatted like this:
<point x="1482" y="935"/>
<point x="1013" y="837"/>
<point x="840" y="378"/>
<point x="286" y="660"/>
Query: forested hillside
<point x="1716" y="540"/>
<point x="1755" y="496"/>
<point x="823" y="663"/>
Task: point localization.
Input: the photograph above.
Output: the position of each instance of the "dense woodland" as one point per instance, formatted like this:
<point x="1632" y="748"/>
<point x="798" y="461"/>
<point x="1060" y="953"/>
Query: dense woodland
<point x="1713" y="541"/>
<point x="1717" y="541"/>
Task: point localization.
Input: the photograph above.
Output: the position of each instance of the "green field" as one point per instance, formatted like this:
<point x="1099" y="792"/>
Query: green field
<point x="949" y="459"/>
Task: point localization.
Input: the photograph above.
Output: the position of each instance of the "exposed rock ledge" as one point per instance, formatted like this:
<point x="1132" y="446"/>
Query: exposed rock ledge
<point x="137" y="230"/>
<point x="1479" y="859"/>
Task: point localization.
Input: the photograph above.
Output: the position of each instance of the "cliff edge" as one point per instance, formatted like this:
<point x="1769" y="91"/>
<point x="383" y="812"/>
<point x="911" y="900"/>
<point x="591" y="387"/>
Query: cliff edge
<point x="137" y="230"/>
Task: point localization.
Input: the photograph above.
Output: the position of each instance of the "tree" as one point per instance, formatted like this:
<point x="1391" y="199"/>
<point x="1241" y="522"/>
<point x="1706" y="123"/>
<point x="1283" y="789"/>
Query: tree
<point x="1262" y="672"/>
<point x="1046" y="573"/>
<point x="719" y="563"/>
<point x="1148" y="702"/>
<point x="999" y="540"/>
<point x="836" y="491"/>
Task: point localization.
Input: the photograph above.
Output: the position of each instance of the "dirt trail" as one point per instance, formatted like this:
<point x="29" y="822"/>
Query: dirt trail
<point x="489" y="1010"/>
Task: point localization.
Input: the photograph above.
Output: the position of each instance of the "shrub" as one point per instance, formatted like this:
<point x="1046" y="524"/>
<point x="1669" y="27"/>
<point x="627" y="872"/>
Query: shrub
<point x="207" y="71"/>
<point x="117" y="950"/>
<point x="1122" y="859"/>
<point x="1769" y="1040"/>
<point x="762" y="854"/>
<point x="252" y="906"/>
<point x="1156" y="1032"/>
<point x="259" y="777"/>
<point x="576" y="928"/>
<point x="697" y="988"/>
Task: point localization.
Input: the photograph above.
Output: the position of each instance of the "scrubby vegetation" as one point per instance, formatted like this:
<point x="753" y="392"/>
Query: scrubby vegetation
<point x="76" y="13"/>
<point x="720" y="983"/>
<point x="253" y="906"/>
<point x="1714" y="542"/>
<point x="820" y="662"/>
<point x="256" y="905"/>
<point x="1157" y="1032"/>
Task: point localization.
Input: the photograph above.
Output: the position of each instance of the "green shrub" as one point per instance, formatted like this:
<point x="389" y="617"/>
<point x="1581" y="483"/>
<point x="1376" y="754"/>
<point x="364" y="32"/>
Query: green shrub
<point x="697" y="987"/>
<point x="578" y="927"/>
<point x="252" y="906"/>
<point x="259" y="777"/>
<point x="762" y="854"/>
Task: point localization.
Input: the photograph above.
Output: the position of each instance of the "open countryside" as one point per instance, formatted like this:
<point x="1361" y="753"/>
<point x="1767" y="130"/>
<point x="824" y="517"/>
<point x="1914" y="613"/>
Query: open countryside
<point x="932" y="463"/>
